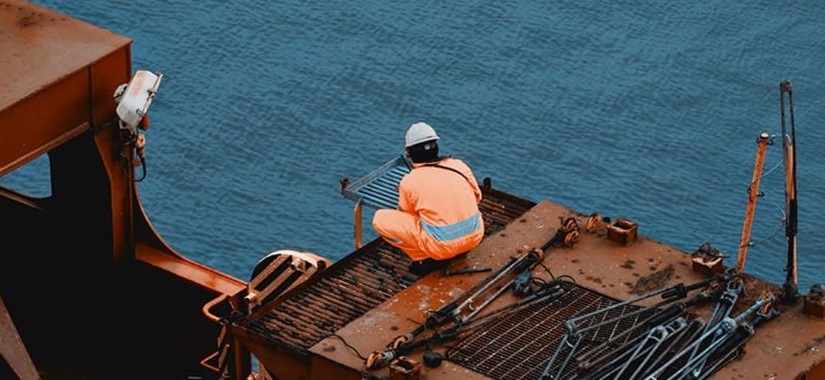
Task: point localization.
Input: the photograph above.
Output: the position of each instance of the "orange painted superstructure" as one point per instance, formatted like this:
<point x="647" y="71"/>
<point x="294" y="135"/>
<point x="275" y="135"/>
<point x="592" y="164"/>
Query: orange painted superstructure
<point x="90" y="290"/>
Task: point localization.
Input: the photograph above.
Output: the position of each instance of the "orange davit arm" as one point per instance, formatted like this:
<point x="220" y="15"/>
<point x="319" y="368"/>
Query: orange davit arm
<point x="753" y="193"/>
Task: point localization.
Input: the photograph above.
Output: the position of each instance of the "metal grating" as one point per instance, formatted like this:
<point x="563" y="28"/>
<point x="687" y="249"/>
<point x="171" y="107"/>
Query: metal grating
<point x="520" y="345"/>
<point x="340" y="295"/>
<point x="355" y="284"/>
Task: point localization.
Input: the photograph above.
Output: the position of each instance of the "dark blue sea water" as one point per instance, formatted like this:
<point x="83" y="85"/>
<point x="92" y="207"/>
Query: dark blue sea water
<point x="647" y="110"/>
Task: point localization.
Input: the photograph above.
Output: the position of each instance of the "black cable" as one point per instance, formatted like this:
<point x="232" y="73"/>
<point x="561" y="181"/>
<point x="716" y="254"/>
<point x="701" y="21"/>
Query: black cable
<point x="349" y="346"/>
<point x="142" y="165"/>
<point x="570" y="279"/>
<point x="552" y="278"/>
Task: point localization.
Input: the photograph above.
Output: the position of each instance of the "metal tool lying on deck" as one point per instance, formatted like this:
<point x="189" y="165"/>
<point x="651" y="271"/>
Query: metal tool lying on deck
<point x="668" y="343"/>
<point x="448" y="272"/>
<point x="719" y="341"/>
<point x="579" y="326"/>
<point x="461" y="310"/>
<point x="665" y="322"/>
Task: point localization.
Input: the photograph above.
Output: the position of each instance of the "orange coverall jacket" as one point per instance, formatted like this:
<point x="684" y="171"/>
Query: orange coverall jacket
<point x="437" y="215"/>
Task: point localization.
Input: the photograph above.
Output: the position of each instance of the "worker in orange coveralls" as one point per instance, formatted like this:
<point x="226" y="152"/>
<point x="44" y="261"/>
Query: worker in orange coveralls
<point x="437" y="216"/>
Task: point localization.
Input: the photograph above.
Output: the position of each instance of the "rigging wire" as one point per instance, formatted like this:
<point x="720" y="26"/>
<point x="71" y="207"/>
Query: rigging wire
<point x="769" y="171"/>
<point x="782" y="222"/>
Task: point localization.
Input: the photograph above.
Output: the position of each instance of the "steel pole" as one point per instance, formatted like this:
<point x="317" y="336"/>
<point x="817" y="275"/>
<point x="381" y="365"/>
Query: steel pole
<point x="789" y="146"/>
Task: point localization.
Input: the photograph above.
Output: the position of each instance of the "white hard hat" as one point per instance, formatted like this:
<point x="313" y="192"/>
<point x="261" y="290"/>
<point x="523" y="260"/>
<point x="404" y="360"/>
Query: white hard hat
<point x="419" y="133"/>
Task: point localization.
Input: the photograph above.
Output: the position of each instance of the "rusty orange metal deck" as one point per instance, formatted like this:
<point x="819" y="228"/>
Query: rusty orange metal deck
<point x="786" y="347"/>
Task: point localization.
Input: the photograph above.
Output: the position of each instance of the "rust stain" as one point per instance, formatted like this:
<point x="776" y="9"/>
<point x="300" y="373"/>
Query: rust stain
<point x="653" y="281"/>
<point x="811" y="347"/>
<point x="27" y="21"/>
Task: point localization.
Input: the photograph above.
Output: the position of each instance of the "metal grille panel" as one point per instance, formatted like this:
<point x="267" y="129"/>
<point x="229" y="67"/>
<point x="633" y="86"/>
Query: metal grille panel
<point x="379" y="189"/>
<point x="520" y="345"/>
<point x="355" y="284"/>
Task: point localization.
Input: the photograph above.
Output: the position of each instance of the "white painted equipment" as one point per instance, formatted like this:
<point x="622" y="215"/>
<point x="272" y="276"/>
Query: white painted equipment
<point x="135" y="97"/>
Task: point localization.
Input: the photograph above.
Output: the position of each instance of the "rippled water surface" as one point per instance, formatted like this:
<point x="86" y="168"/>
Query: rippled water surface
<point x="646" y="110"/>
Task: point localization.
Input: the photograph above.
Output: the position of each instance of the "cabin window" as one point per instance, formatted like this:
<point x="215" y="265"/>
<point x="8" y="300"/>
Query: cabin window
<point x="32" y="180"/>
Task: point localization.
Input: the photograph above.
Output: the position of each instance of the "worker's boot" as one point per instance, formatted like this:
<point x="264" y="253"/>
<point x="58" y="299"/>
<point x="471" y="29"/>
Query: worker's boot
<point x="422" y="267"/>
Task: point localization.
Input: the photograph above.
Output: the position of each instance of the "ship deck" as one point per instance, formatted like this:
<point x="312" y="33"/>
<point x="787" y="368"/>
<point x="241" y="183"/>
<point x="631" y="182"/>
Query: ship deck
<point x="605" y="271"/>
<point x="325" y="327"/>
